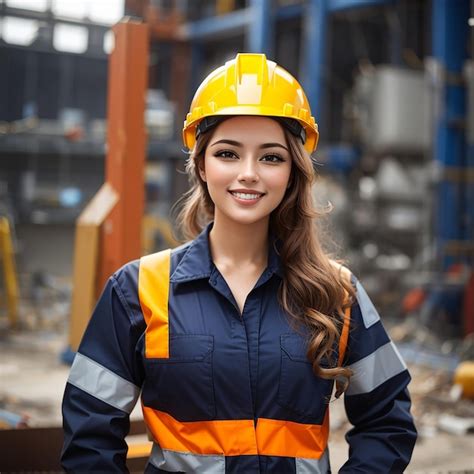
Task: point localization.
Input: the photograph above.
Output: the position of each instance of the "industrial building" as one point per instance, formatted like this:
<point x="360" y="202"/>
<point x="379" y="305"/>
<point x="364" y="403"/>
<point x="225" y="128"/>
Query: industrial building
<point x="92" y="102"/>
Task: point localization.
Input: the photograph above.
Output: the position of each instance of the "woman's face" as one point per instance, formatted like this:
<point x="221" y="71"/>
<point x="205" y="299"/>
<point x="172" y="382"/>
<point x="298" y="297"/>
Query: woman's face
<point x="247" y="167"/>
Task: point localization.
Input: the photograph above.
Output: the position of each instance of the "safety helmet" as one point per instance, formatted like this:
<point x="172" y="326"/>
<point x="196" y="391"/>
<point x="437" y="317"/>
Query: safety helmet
<point x="250" y="84"/>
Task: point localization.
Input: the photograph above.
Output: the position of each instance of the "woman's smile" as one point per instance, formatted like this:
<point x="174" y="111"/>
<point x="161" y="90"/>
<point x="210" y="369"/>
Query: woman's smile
<point x="246" y="197"/>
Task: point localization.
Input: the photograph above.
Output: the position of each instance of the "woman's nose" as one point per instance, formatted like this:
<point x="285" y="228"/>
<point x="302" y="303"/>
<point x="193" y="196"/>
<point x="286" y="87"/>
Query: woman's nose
<point x="248" y="172"/>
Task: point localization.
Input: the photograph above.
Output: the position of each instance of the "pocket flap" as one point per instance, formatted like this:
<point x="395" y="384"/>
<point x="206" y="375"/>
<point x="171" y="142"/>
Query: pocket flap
<point x="188" y="348"/>
<point x="294" y="346"/>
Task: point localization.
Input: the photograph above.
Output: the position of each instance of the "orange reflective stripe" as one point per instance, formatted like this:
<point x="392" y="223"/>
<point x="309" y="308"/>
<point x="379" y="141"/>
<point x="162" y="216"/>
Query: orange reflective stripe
<point x="153" y="289"/>
<point x="238" y="437"/>
<point x="228" y="437"/>
<point x="290" y="439"/>
<point x="344" y="336"/>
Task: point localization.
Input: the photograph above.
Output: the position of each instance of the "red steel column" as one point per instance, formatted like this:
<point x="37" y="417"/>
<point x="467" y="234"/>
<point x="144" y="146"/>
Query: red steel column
<point x="126" y="147"/>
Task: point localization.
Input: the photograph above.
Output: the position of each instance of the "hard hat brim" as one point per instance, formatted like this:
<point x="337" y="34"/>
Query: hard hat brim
<point x="189" y="130"/>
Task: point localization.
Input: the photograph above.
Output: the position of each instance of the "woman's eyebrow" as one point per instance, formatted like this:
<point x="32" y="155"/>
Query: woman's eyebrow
<point x="238" y="144"/>
<point x="272" y="145"/>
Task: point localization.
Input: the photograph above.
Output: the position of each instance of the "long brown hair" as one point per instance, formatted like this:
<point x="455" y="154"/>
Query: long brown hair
<point x="315" y="290"/>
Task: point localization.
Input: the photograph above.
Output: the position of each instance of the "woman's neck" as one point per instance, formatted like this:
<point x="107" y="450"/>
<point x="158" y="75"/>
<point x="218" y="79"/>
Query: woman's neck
<point x="234" y="245"/>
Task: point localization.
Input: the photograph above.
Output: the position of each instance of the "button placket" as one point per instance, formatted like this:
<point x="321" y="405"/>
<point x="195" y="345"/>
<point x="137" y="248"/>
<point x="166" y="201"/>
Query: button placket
<point x="218" y="282"/>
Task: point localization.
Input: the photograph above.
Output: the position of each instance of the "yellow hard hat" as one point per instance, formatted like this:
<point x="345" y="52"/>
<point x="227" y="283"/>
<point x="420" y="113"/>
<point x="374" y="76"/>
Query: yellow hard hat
<point x="252" y="85"/>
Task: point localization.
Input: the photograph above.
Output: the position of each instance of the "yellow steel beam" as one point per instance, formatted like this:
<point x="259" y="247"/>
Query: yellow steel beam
<point x="9" y="271"/>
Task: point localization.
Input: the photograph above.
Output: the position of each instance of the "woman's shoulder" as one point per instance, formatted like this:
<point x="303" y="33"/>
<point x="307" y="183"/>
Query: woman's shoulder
<point x="342" y="270"/>
<point x="132" y="267"/>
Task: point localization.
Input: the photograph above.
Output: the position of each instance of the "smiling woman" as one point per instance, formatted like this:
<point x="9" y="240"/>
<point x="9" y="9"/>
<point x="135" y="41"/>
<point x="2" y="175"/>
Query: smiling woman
<point x="246" y="168"/>
<point x="236" y="339"/>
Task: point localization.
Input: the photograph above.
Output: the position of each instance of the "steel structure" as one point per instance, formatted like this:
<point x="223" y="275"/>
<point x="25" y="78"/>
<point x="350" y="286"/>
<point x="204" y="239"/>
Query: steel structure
<point x="256" y="22"/>
<point x="126" y="140"/>
<point x="258" y="19"/>
<point x="454" y="229"/>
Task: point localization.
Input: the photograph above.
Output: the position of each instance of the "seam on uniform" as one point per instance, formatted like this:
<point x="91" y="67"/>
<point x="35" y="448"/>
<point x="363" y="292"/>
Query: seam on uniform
<point x="126" y="306"/>
<point x="260" y="300"/>
<point x="190" y="278"/>
<point x="184" y="453"/>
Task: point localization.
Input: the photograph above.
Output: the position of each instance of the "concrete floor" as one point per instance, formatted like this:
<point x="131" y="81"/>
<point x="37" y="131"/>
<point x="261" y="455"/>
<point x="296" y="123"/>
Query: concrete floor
<point x="32" y="381"/>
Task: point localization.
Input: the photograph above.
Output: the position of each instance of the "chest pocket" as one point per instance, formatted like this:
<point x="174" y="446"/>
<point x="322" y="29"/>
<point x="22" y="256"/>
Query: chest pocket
<point x="182" y="385"/>
<point x="300" y="391"/>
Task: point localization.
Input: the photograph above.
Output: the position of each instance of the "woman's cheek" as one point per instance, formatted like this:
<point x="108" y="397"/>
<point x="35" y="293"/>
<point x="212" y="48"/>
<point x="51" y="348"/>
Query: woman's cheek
<point x="280" y="180"/>
<point x="218" y="173"/>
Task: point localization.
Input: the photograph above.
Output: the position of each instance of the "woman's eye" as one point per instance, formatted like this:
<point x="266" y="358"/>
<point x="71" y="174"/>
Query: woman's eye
<point x="225" y="154"/>
<point x="273" y="158"/>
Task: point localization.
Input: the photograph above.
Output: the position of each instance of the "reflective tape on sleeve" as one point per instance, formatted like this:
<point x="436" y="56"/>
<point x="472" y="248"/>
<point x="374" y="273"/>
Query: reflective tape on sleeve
<point x="375" y="369"/>
<point x="367" y="308"/>
<point x="103" y="384"/>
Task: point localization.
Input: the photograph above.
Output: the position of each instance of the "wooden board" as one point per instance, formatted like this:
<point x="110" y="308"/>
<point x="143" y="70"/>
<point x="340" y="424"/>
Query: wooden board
<point x="86" y="250"/>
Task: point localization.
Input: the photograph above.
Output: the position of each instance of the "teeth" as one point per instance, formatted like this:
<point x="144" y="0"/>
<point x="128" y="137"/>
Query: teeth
<point x="246" y="195"/>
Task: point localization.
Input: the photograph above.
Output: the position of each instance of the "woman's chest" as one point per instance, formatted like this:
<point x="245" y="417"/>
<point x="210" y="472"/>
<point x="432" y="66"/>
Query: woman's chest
<point x="225" y="366"/>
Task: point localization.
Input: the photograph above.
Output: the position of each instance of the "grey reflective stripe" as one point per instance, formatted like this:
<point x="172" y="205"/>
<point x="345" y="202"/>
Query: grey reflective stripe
<point x="375" y="369"/>
<point x="103" y="384"/>
<point x="313" y="466"/>
<point x="186" y="462"/>
<point x="369" y="313"/>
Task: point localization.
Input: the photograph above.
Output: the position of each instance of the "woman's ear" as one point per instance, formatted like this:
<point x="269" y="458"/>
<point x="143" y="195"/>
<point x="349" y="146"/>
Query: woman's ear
<point x="202" y="170"/>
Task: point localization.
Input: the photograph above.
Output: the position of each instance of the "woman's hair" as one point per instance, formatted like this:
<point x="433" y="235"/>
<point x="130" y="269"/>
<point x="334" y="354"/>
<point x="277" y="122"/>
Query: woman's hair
<point x="315" y="290"/>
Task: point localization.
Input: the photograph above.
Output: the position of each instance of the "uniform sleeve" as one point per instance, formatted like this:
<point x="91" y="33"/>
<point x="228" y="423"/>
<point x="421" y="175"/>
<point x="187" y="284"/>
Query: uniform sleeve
<point x="103" y="387"/>
<point x="377" y="401"/>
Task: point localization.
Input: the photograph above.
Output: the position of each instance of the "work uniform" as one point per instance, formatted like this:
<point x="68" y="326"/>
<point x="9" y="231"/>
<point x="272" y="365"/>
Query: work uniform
<point x="223" y="392"/>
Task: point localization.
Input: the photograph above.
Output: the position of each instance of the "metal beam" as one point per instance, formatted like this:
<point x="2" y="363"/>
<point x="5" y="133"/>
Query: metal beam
<point x="314" y="62"/>
<point x="450" y="36"/>
<point x="219" y="26"/>
<point x="339" y="5"/>
<point x="48" y="17"/>
<point x="287" y="12"/>
<point x="126" y="144"/>
<point x="469" y="195"/>
<point x="197" y="59"/>
<point x="259" y="38"/>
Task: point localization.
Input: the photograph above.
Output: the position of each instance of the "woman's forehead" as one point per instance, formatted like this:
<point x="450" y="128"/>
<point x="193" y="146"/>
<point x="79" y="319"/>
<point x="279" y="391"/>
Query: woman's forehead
<point x="248" y="128"/>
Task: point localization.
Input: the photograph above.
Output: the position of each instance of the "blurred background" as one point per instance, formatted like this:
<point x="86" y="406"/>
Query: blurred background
<point x="93" y="95"/>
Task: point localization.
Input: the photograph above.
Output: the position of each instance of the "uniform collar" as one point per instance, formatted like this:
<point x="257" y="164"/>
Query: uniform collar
<point x="197" y="262"/>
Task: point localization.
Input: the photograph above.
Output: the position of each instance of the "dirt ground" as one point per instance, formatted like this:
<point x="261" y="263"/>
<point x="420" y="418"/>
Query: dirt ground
<point x="32" y="380"/>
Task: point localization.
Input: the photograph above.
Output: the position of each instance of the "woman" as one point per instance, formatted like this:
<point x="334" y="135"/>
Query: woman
<point x="235" y="338"/>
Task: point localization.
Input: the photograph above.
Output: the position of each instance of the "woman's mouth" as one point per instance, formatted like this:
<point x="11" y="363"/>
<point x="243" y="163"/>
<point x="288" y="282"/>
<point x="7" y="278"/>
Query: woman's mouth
<point x="246" y="198"/>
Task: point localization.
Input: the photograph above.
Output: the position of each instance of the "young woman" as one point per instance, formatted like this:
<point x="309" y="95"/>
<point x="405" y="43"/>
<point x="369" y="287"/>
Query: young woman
<point x="236" y="339"/>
